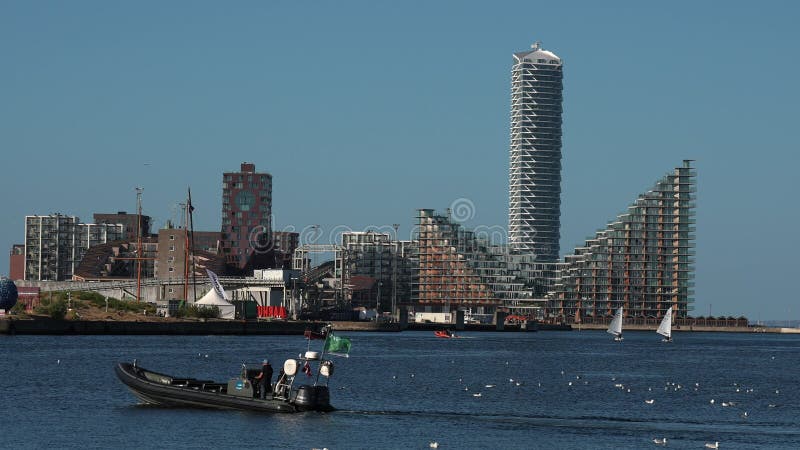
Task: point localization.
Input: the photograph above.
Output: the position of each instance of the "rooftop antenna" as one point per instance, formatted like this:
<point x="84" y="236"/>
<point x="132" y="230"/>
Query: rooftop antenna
<point x="536" y="45"/>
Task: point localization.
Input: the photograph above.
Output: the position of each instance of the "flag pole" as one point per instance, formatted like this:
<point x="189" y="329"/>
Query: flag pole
<point x="322" y="355"/>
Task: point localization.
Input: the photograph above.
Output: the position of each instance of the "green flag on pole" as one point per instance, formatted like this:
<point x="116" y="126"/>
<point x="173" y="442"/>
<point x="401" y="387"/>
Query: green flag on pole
<point x="337" y="345"/>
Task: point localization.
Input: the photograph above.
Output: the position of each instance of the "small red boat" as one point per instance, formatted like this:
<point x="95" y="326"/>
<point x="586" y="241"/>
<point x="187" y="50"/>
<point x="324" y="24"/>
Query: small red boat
<point x="444" y="334"/>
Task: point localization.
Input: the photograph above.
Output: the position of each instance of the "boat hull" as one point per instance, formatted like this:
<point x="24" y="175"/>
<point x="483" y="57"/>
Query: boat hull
<point x="161" y="390"/>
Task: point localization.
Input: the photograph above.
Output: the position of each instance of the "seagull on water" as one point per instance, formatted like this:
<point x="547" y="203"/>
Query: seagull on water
<point x="476" y="395"/>
<point x="714" y="445"/>
<point x="662" y="441"/>
<point x="712" y="401"/>
<point x="650" y="402"/>
<point x="433" y="444"/>
<point x="489" y="386"/>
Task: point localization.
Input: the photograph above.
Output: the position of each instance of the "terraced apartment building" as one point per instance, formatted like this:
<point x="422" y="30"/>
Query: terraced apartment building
<point x="642" y="261"/>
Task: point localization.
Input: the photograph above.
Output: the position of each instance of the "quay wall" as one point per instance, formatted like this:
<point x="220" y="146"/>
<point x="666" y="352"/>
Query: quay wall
<point x="47" y="326"/>
<point x="211" y="327"/>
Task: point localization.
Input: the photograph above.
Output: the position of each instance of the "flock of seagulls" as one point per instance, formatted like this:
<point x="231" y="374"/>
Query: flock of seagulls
<point x="629" y="388"/>
<point x="668" y="387"/>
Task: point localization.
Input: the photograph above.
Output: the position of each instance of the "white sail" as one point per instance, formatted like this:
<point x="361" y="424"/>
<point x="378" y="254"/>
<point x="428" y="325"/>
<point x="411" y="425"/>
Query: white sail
<point x="665" y="329"/>
<point x="616" y="324"/>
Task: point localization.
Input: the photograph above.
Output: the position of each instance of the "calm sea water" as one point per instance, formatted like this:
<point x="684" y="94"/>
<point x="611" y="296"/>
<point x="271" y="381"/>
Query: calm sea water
<point x="405" y="390"/>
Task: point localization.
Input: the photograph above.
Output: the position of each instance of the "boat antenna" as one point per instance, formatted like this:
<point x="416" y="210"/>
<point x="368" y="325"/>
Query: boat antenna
<point x="191" y="233"/>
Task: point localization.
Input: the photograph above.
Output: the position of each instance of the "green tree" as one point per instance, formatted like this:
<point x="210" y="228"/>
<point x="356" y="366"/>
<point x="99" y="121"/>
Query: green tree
<point x="57" y="309"/>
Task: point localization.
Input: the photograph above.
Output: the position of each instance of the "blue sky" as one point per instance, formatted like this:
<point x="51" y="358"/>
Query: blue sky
<point x="365" y="111"/>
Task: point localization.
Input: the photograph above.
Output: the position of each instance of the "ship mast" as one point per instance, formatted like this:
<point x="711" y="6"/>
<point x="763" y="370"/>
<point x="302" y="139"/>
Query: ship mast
<point x="139" y="243"/>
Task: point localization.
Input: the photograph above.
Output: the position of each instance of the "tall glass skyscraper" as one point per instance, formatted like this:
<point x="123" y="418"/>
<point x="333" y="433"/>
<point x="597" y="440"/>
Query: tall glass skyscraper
<point x="534" y="215"/>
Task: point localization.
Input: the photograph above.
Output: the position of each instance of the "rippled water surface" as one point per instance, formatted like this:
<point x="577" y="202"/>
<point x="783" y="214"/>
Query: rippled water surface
<point x="405" y="390"/>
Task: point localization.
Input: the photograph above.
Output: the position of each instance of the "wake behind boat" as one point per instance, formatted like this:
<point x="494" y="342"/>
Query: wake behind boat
<point x="285" y="396"/>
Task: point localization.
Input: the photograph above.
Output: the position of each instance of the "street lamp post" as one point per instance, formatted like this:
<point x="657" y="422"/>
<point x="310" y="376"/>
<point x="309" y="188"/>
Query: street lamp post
<point x="378" y="301"/>
<point x="293" y="305"/>
<point x="395" y="249"/>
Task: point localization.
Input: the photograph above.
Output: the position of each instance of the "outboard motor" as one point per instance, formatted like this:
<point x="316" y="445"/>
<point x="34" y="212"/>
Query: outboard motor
<point x="313" y="398"/>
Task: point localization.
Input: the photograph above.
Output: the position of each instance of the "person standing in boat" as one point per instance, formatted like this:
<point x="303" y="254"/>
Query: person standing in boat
<point x="265" y="379"/>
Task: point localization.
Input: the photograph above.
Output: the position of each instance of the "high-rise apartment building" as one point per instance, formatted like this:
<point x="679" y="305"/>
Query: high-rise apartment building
<point x="55" y="244"/>
<point x="534" y="215"/>
<point x="246" y="215"/>
<point x="643" y="261"/>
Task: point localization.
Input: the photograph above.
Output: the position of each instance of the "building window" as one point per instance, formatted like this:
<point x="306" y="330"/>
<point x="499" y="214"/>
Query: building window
<point x="171" y="269"/>
<point x="171" y="291"/>
<point x="171" y="237"/>
<point x="172" y="248"/>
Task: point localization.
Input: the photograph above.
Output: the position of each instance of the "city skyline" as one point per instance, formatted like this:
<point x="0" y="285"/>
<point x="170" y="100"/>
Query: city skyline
<point x="98" y="104"/>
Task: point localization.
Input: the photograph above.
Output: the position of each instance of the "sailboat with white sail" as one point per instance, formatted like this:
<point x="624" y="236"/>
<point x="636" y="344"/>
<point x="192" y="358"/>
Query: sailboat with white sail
<point x="616" y="325"/>
<point x="665" y="328"/>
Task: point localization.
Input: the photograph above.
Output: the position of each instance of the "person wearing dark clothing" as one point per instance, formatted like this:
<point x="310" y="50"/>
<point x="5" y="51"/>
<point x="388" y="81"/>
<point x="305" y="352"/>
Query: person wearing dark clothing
<point x="265" y="379"/>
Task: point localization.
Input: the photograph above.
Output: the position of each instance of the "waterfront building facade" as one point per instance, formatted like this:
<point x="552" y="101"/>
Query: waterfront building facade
<point x="118" y="260"/>
<point x="129" y="222"/>
<point x="16" y="262"/>
<point x="447" y="280"/>
<point x="643" y="261"/>
<point x="534" y="216"/>
<point x="284" y="243"/>
<point x="387" y="265"/>
<point x="175" y="264"/>
<point x="55" y="244"/>
<point x="246" y="215"/>
<point x="461" y="269"/>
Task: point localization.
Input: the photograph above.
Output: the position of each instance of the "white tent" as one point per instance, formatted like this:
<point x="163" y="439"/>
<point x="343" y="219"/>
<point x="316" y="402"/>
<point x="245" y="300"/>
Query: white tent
<point x="212" y="298"/>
